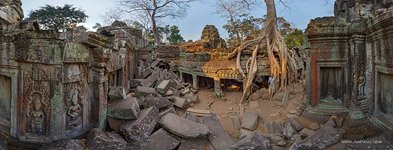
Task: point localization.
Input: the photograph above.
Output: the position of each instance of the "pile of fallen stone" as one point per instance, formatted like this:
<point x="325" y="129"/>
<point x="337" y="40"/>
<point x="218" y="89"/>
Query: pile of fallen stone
<point x="196" y="129"/>
<point x="297" y="136"/>
<point x="148" y="118"/>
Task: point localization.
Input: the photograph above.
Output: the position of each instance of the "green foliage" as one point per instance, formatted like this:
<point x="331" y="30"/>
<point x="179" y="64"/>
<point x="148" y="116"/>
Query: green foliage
<point x="174" y="36"/>
<point x="284" y="26"/>
<point x="58" y="18"/>
<point x="295" y="39"/>
<point x="162" y="30"/>
<point x="249" y="27"/>
<point x="170" y="33"/>
<point x="246" y="26"/>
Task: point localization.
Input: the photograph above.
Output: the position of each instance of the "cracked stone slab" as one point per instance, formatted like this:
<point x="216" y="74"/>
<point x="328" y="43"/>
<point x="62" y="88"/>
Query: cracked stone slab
<point x="160" y="140"/>
<point x="250" y="121"/>
<point x="183" y="127"/>
<point x="218" y="137"/>
<point x="141" y="128"/>
<point x="100" y="140"/>
<point x="127" y="109"/>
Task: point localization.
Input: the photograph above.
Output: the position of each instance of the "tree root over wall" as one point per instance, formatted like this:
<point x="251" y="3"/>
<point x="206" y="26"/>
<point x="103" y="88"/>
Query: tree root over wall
<point x="282" y="65"/>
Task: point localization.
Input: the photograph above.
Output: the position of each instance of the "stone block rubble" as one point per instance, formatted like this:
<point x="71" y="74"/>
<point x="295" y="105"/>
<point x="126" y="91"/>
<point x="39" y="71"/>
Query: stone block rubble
<point x="157" y="114"/>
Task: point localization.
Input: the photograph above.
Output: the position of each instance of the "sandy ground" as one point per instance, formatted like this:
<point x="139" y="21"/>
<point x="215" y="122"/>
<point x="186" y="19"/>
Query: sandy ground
<point x="267" y="110"/>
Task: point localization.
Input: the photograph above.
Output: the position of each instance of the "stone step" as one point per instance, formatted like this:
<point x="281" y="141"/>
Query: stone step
<point x="386" y="121"/>
<point x="365" y="105"/>
<point x="326" y="110"/>
<point x="383" y="121"/>
<point x="356" y="114"/>
<point x="332" y="102"/>
<point x="331" y="107"/>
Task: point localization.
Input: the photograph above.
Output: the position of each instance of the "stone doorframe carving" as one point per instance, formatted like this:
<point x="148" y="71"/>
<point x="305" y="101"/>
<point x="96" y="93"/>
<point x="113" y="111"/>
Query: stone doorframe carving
<point x="331" y="63"/>
<point x="377" y="81"/>
<point x="12" y="72"/>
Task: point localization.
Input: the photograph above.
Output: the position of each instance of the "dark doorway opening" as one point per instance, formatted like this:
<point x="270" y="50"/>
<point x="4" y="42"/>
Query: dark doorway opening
<point x="206" y="82"/>
<point x="5" y="103"/>
<point x="332" y="84"/>
<point x="231" y="85"/>
<point x="386" y="93"/>
<point x="187" y="78"/>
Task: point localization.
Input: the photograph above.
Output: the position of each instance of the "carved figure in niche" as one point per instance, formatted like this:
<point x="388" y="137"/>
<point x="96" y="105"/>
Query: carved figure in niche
<point x="357" y="11"/>
<point x="74" y="111"/>
<point x="73" y="73"/>
<point x="37" y="115"/>
<point x="361" y="81"/>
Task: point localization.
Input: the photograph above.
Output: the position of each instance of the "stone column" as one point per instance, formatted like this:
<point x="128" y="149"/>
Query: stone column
<point x="181" y="76"/>
<point x="359" y="64"/>
<point x="99" y="98"/>
<point x="195" y="81"/>
<point x="217" y="88"/>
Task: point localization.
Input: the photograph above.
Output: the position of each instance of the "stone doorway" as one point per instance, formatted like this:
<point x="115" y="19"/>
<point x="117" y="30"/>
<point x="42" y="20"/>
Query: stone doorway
<point x="231" y="85"/>
<point x="332" y="84"/>
<point x="206" y="82"/>
<point x="385" y="94"/>
<point x="5" y="103"/>
<point x="187" y="78"/>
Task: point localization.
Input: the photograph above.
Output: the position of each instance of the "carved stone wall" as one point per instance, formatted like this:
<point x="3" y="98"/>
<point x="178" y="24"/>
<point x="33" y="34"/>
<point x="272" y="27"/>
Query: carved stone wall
<point x="123" y="61"/>
<point x="328" y="39"/>
<point x="10" y="13"/>
<point x="55" y="84"/>
<point x="380" y="42"/>
<point x="359" y="40"/>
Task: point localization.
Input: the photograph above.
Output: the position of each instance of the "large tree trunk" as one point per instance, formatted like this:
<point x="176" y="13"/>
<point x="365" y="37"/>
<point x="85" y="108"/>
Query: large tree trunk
<point x="157" y="37"/>
<point x="277" y="52"/>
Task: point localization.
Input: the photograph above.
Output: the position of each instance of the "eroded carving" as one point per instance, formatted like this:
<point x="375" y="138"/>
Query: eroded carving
<point x="74" y="113"/>
<point x="37" y="114"/>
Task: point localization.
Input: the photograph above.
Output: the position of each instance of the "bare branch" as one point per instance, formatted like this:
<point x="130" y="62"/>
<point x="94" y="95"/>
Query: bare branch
<point x="155" y="9"/>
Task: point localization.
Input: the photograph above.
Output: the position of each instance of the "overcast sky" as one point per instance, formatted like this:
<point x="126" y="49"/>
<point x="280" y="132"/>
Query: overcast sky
<point x="199" y="14"/>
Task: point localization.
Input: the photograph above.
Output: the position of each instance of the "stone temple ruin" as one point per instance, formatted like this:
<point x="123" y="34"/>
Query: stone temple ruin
<point x="108" y="90"/>
<point x="350" y="63"/>
<point x="205" y="62"/>
<point x="54" y="85"/>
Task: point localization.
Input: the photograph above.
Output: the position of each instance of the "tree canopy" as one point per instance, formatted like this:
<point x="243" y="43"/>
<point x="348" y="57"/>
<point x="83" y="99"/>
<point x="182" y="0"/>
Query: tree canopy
<point x="247" y="27"/>
<point x="174" y="36"/>
<point x="153" y="10"/>
<point x="233" y="10"/>
<point x="295" y="39"/>
<point x="58" y="18"/>
<point x="171" y="34"/>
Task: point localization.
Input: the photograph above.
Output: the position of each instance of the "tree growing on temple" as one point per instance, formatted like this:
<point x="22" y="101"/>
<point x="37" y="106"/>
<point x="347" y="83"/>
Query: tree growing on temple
<point x="249" y="27"/>
<point x="58" y="18"/>
<point x="155" y="10"/>
<point x="282" y="66"/>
